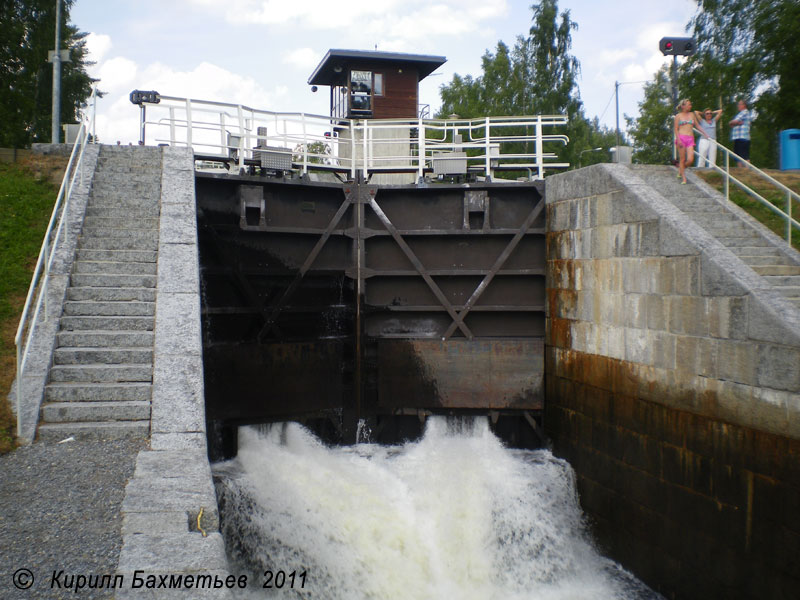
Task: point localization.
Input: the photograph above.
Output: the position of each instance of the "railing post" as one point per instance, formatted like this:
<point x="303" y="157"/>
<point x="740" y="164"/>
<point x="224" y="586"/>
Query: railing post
<point x="539" y="142"/>
<point x="727" y="177"/>
<point x="367" y="147"/>
<point x="421" y="150"/>
<point x="487" y="151"/>
<point x="789" y="218"/>
<point x="240" y="118"/>
<point x="305" y="144"/>
<point x="188" y="122"/>
<point x="19" y="392"/>
<point x="352" y="149"/>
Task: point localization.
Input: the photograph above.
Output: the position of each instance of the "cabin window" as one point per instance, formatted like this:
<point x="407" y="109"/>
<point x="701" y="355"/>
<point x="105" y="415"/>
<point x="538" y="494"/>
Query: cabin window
<point x="361" y="91"/>
<point x="378" y="84"/>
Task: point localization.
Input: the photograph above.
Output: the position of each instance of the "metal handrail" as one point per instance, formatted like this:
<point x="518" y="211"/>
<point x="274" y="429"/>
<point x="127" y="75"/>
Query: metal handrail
<point x="728" y="178"/>
<point x="229" y="131"/>
<point x="37" y="294"/>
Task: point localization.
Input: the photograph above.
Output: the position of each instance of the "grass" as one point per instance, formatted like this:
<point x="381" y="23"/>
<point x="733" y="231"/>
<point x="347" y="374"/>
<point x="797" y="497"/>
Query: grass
<point x="753" y="206"/>
<point x="27" y="193"/>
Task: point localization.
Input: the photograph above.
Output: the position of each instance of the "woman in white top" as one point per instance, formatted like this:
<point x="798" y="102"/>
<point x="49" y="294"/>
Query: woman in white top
<point x="707" y="150"/>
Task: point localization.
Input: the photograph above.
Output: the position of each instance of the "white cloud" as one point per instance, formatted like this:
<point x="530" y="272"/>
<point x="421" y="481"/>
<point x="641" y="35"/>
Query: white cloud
<point x="302" y="58"/>
<point x="98" y="45"/>
<point x="118" y="119"/>
<point x="387" y="23"/>
<point x="116" y="74"/>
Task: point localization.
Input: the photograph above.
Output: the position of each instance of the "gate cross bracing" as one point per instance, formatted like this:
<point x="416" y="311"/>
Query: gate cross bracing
<point x="394" y="297"/>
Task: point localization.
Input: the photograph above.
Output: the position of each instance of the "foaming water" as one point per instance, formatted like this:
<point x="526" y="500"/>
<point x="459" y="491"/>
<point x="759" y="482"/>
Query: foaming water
<point x="455" y="515"/>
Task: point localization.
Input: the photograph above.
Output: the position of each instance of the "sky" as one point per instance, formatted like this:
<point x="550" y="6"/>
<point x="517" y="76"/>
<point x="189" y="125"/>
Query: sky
<point x="260" y="53"/>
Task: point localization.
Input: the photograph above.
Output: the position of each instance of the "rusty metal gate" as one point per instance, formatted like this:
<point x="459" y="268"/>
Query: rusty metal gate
<point x="333" y="303"/>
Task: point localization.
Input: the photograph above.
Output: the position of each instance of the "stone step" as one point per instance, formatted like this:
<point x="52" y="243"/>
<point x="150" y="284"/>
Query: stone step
<point x="111" y="294"/>
<point x="141" y="256"/>
<point x="101" y="373"/>
<point x="76" y="412"/>
<point x="100" y="232"/>
<point x="768" y="260"/>
<point x="117" y="244"/>
<point x="69" y="323"/>
<point x="126" y="222"/>
<point x="728" y="230"/>
<point x="751" y="241"/>
<point x="104" y="339"/>
<point x="98" y="392"/>
<point x="112" y="280"/>
<point x="91" y="308"/>
<point x="776" y="269"/>
<point x="756" y="251"/>
<point x="146" y="175"/>
<point x="90" y="355"/>
<point x="130" y="165"/>
<point x="114" y="268"/>
<point x="783" y="280"/>
<point x="103" y="430"/>
<point x="114" y="211"/>
<point x="138" y="198"/>
<point x="789" y="291"/>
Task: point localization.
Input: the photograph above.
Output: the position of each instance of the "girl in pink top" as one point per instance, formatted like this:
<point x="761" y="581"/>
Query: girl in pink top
<point x="685" y="120"/>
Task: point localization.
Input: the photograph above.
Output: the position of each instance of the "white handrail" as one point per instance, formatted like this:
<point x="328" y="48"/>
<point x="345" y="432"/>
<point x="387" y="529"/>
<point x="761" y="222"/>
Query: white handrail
<point x="375" y="145"/>
<point x="41" y="273"/>
<point x="728" y="178"/>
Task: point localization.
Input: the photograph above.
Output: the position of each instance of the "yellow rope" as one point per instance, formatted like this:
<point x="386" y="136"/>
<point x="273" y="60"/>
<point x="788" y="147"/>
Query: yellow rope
<point x="200" y="516"/>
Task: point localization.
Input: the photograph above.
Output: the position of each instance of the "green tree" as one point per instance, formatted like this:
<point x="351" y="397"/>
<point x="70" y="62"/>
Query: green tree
<point x="651" y="131"/>
<point x="27" y="33"/>
<point x="538" y="76"/>
<point x="749" y="49"/>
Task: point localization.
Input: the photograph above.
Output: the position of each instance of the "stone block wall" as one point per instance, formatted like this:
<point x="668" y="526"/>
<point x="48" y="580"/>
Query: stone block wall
<point x="673" y="388"/>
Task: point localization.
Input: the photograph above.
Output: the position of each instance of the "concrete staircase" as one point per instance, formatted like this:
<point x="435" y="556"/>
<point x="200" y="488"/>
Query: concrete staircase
<point x="101" y="378"/>
<point x="768" y="256"/>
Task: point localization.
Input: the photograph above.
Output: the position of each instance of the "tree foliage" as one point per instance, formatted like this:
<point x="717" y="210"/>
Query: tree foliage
<point x="537" y="76"/>
<point x="748" y="49"/>
<point x="27" y="33"/>
<point x="651" y="132"/>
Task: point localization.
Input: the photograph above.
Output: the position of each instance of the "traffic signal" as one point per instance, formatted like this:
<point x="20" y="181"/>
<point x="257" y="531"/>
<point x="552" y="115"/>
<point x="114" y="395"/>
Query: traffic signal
<point x="676" y="46"/>
<point x="141" y="97"/>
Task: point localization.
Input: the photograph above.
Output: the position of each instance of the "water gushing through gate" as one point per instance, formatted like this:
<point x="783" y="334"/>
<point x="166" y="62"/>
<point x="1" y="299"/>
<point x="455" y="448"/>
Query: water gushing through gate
<point x="455" y="515"/>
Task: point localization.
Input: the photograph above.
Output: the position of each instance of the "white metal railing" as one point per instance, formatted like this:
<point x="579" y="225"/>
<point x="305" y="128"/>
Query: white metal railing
<point x="231" y="132"/>
<point x="728" y="178"/>
<point x="56" y="228"/>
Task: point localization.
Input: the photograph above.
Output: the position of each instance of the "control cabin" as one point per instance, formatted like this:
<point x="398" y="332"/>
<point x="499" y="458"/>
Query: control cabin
<point x="374" y="85"/>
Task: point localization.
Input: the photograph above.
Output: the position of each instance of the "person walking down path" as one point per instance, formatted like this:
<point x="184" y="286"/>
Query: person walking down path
<point x="740" y="131"/>
<point x="706" y="146"/>
<point x="685" y="121"/>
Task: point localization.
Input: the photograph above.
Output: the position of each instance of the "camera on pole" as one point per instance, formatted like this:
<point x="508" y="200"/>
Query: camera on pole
<point x="677" y="46"/>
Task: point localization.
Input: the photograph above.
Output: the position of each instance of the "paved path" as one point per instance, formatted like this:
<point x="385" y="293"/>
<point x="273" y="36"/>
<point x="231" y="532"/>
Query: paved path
<point x="60" y="510"/>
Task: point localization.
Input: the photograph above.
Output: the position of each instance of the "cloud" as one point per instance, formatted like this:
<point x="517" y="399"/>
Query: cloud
<point x="118" y="119"/>
<point x="302" y="58"/>
<point x="395" y="24"/>
<point x="98" y="45"/>
<point x="116" y="74"/>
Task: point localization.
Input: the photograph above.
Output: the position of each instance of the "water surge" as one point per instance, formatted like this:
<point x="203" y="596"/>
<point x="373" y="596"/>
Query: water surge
<point x="455" y="515"/>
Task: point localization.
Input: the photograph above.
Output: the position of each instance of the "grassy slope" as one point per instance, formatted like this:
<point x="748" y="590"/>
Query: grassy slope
<point x="27" y="194"/>
<point x="753" y="206"/>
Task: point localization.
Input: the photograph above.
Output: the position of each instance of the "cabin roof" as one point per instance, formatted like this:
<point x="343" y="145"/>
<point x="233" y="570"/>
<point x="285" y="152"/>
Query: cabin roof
<point x="326" y="74"/>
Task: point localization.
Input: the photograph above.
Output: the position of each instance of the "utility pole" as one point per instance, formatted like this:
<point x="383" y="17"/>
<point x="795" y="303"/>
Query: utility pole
<point x="56" y="60"/>
<point x="616" y="96"/>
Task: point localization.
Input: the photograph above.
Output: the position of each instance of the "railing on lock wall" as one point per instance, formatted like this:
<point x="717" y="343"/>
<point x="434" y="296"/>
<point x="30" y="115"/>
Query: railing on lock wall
<point x="729" y="178"/>
<point x="239" y="135"/>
